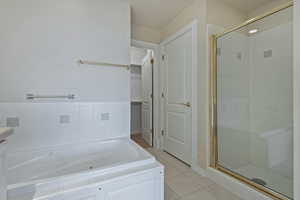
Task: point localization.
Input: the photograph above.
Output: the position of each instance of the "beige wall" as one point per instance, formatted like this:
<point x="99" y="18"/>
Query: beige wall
<point x="182" y="19"/>
<point x="211" y="13"/>
<point x="197" y="11"/>
<point x="207" y="12"/>
<point x="218" y="13"/>
<point x="297" y="99"/>
<point x="145" y="34"/>
<point x="223" y="15"/>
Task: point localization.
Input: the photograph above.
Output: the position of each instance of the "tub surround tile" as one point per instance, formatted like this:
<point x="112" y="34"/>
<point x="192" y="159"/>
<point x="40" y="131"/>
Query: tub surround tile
<point x="40" y="126"/>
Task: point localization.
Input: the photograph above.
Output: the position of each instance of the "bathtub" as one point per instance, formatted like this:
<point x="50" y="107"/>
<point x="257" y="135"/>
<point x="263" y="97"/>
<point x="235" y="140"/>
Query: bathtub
<point x="68" y="172"/>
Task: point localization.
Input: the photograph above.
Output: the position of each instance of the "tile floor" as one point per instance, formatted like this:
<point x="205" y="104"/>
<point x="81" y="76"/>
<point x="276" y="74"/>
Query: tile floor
<point x="139" y="140"/>
<point x="182" y="183"/>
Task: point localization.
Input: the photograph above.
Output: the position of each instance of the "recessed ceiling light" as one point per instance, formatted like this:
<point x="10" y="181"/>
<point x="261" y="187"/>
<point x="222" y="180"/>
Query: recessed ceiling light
<point x="253" y="31"/>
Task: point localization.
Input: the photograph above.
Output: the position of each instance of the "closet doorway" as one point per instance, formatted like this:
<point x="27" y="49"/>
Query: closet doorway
<point x="141" y="71"/>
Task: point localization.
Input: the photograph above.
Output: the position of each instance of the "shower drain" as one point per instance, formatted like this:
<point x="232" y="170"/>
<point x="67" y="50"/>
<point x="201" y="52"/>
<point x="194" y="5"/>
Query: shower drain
<point x="259" y="181"/>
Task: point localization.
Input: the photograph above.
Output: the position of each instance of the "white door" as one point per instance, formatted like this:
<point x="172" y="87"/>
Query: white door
<point x="178" y="63"/>
<point x="147" y="99"/>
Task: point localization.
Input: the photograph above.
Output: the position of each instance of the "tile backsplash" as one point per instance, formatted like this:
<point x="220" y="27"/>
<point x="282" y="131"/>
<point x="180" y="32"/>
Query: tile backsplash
<point x="49" y="124"/>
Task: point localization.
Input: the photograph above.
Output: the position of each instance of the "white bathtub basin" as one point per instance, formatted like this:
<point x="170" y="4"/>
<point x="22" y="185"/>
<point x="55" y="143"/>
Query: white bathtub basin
<point x="50" y="170"/>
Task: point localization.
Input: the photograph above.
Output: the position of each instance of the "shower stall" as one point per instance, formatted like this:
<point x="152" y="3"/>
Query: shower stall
<point x="252" y="102"/>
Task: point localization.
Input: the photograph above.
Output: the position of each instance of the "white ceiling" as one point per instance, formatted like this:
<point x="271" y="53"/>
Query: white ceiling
<point x="247" y="5"/>
<point x="156" y="13"/>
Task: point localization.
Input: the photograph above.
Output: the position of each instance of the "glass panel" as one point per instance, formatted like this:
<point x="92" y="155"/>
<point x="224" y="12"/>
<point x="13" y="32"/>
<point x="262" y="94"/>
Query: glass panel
<point x="255" y="102"/>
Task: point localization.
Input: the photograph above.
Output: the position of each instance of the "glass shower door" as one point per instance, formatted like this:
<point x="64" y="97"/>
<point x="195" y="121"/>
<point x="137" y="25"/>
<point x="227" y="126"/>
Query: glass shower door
<point x="254" y="103"/>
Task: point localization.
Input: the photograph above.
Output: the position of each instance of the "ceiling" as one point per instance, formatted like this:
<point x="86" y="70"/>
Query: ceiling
<point x="248" y="5"/>
<point x="156" y="13"/>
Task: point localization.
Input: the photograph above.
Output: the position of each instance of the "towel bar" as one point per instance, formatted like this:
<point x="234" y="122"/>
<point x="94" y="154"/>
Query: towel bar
<point x="102" y="64"/>
<point x="32" y="97"/>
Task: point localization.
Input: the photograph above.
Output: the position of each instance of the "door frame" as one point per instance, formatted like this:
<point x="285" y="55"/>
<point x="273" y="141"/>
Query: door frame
<point x="193" y="27"/>
<point x="155" y="87"/>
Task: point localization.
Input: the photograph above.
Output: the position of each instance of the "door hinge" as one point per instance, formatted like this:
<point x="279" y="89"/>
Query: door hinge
<point x="152" y="61"/>
<point x="151" y="96"/>
<point x="162" y="132"/>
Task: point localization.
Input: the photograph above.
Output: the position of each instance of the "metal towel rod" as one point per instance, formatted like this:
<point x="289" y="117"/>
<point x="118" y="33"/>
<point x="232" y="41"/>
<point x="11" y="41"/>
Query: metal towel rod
<point x="82" y="62"/>
<point x="32" y="96"/>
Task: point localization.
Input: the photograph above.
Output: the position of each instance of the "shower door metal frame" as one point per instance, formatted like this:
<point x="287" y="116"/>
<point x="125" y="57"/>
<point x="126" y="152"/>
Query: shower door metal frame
<point x="214" y="161"/>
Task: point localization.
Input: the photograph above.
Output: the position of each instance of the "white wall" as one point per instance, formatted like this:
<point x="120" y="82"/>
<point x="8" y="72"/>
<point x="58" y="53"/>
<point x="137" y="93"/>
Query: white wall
<point x="296" y="43"/>
<point x="137" y="55"/>
<point x="41" y="43"/>
<point x="43" y="40"/>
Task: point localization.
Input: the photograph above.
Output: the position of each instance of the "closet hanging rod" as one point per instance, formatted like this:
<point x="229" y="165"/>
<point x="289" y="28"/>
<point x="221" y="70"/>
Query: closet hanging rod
<point x="32" y="97"/>
<point x="82" y="62"/>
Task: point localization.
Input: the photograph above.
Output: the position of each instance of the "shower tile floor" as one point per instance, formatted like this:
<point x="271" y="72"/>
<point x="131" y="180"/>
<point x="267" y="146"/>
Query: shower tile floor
<point x="182" y="183"/>
<point x="274" y="180"/>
